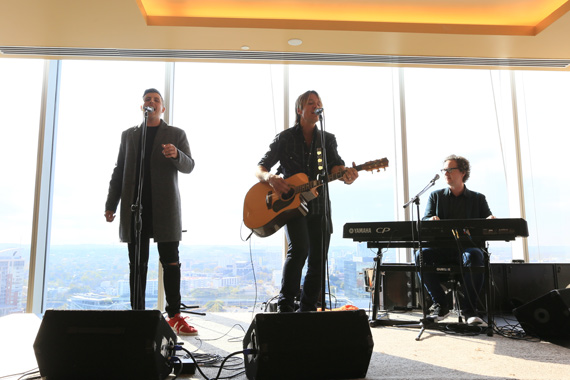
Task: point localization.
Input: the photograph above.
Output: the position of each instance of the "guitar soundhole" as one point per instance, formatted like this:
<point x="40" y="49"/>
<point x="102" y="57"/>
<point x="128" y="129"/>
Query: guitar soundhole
<point x="288" y="195"/>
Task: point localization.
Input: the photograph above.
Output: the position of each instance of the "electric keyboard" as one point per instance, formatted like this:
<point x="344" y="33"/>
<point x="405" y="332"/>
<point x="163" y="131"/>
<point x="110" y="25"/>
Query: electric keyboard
<point x="435" y="232"/>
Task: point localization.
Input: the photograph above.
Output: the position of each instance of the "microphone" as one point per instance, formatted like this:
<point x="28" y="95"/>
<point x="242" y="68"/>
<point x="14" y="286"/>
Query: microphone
<point x="430" y="184"/>
<point x="318" y="111"/>
<point x="149" y="109"/>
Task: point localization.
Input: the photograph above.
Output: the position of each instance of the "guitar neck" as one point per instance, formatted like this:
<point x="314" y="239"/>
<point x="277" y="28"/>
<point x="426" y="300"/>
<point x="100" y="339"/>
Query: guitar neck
<point x="318" y="182"/>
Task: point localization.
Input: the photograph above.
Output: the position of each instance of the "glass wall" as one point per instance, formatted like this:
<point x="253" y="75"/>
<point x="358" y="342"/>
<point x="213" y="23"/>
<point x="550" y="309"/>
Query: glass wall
<point x="457" y="112"/>
<point x="359" y="111"/>
<point x="231" y="113"/>
<point x="543" y="99"/>
<point x="87" y="265"/>
<point x="21" y="86"/>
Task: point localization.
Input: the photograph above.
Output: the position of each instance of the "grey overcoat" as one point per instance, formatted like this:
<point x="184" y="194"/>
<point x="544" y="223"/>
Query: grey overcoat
<point x="166" y="209"/>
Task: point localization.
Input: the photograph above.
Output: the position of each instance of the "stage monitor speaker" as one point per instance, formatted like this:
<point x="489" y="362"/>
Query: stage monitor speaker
<point x="313" y="345"/>
<point x="95" y="344"/>
<point x="547" y="316"/>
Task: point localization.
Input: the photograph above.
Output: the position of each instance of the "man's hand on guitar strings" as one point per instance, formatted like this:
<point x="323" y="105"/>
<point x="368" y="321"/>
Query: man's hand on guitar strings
<point x="350" y="175"/>
<point x="278" y="184"/>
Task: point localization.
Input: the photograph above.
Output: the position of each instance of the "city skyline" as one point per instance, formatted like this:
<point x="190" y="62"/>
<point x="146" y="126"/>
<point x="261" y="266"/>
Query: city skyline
<point x="207" y="271"/>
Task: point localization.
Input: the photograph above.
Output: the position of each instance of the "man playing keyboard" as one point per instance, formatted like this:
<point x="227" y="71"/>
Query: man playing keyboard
<point x="455" y="202"/>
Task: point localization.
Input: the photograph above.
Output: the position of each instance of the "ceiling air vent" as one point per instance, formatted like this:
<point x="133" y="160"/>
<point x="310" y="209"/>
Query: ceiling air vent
<point x="62" y="52"/>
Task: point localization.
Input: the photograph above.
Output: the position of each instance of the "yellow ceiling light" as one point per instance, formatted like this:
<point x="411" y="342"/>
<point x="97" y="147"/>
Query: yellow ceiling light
<point x="515" y="17"/>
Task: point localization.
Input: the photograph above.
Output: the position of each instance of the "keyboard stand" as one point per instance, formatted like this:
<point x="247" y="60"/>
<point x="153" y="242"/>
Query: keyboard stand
<point x="375" y="321"/>
<point x="423" y="323"/>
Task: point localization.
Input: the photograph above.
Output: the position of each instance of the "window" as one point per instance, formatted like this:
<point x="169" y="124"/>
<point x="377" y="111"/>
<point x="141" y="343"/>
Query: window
<point x="21" y="84"/>
<point x="543" y="99"/>
<point x="231" y="112"/>
<point x="359" y="112"/>
<point x="455" y="112"/>
<point x="87" y="266"/>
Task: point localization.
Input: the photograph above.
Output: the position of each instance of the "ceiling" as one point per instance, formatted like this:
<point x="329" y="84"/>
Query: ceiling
<point x="483" y="33"/>
<point x="507" y="17"/>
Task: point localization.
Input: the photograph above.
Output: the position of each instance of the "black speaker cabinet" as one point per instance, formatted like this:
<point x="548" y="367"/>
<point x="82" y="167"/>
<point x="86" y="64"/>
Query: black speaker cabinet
<point x="314" y="345"/>
<point x="93" y="344"/>
<point x="562" y="275"/>
<point x="398" y="290"/>
<point x="547" y="316"/>
<point x="498" y="288"/>
<point x="526" y="282"/>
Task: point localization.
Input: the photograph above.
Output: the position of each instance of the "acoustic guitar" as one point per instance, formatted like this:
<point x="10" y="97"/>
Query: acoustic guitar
<point x="264" y="212"/>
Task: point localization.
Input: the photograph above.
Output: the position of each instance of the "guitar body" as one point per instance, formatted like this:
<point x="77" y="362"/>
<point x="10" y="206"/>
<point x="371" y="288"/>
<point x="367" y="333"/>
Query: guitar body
<point x="265" y="213"/>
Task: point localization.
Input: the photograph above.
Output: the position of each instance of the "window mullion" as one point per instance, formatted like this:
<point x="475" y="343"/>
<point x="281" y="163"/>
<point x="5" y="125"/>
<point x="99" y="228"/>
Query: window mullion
<point x="43" y="198"/>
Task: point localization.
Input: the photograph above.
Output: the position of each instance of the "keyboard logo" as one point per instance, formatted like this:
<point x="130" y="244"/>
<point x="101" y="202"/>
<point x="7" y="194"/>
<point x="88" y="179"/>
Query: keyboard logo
<point x="383" y="230"/>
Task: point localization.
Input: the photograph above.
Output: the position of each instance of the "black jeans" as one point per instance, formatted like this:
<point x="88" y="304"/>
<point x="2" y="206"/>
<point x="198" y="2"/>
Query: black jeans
<point x="168" y="254"/>
<point x="305" y="239"/>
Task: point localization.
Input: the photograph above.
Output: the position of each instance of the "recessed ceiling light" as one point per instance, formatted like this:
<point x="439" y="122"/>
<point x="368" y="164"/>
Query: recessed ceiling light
<point x="295" y="42"/>
<point x="245" y="47"/>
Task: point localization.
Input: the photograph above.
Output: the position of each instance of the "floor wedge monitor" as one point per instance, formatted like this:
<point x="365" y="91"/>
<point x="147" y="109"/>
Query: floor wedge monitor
<point x="314" y="345"/>
<point x="94" y="344"/>
<point x="548" y="316"/>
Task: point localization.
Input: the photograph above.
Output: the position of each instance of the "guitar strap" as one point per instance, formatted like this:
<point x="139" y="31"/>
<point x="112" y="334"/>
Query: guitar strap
<point x="317" y="148"/>
<point x="310" y="168"/>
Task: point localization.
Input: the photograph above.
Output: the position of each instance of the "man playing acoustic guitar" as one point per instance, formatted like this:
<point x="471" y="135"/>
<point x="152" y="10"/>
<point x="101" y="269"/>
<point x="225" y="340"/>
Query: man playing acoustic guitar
<point x="299" y="150"/>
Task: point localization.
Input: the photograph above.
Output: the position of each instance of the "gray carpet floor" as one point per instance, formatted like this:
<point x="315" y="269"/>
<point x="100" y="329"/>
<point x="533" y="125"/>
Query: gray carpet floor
<point x="444" y="353"/>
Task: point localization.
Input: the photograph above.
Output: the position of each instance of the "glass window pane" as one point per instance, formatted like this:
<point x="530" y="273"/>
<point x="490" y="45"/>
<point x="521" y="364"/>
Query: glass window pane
<point x="359" y="112"/>
<point x="21" y="82"/>
<point x="454" y="112"/>
<point x="87" y="266"/>
<point x="544" y="99"/>
<point x="230" y="112"/>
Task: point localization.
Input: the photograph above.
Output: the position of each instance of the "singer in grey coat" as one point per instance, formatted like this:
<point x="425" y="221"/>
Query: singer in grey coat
<point x="167" y="217"/>
<point x="167" y="152"/>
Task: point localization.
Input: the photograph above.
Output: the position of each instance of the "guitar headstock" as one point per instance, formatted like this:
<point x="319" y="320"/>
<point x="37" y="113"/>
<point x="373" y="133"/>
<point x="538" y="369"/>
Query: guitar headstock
<point x="375" y="165"/>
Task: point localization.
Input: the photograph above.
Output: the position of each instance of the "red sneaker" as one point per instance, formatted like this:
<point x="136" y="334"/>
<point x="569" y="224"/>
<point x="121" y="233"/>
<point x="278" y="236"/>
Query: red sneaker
<point x="180" y="326"/>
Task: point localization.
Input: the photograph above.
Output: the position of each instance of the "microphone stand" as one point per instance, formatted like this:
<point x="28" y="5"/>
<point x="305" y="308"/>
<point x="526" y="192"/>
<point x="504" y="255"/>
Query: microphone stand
<point x="416" y="201"/>
<point x="326" y="217"/>
<point x="138" y="221"/>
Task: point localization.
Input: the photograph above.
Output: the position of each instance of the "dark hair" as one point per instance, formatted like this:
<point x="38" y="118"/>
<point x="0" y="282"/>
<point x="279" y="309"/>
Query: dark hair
<point x="301" y="102"/>
<point x="153" y="90"/>
<point x="462" y="164"/>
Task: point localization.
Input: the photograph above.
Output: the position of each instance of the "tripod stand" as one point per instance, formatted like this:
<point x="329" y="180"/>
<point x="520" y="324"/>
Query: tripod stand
<point x="416" y="201"/>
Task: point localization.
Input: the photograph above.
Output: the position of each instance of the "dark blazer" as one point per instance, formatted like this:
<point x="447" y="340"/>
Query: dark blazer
<point x="438" y="204"/>
<point x="166" y="209"/>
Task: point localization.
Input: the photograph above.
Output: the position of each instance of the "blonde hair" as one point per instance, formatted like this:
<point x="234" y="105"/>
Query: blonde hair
<point x="302" y="101"/>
